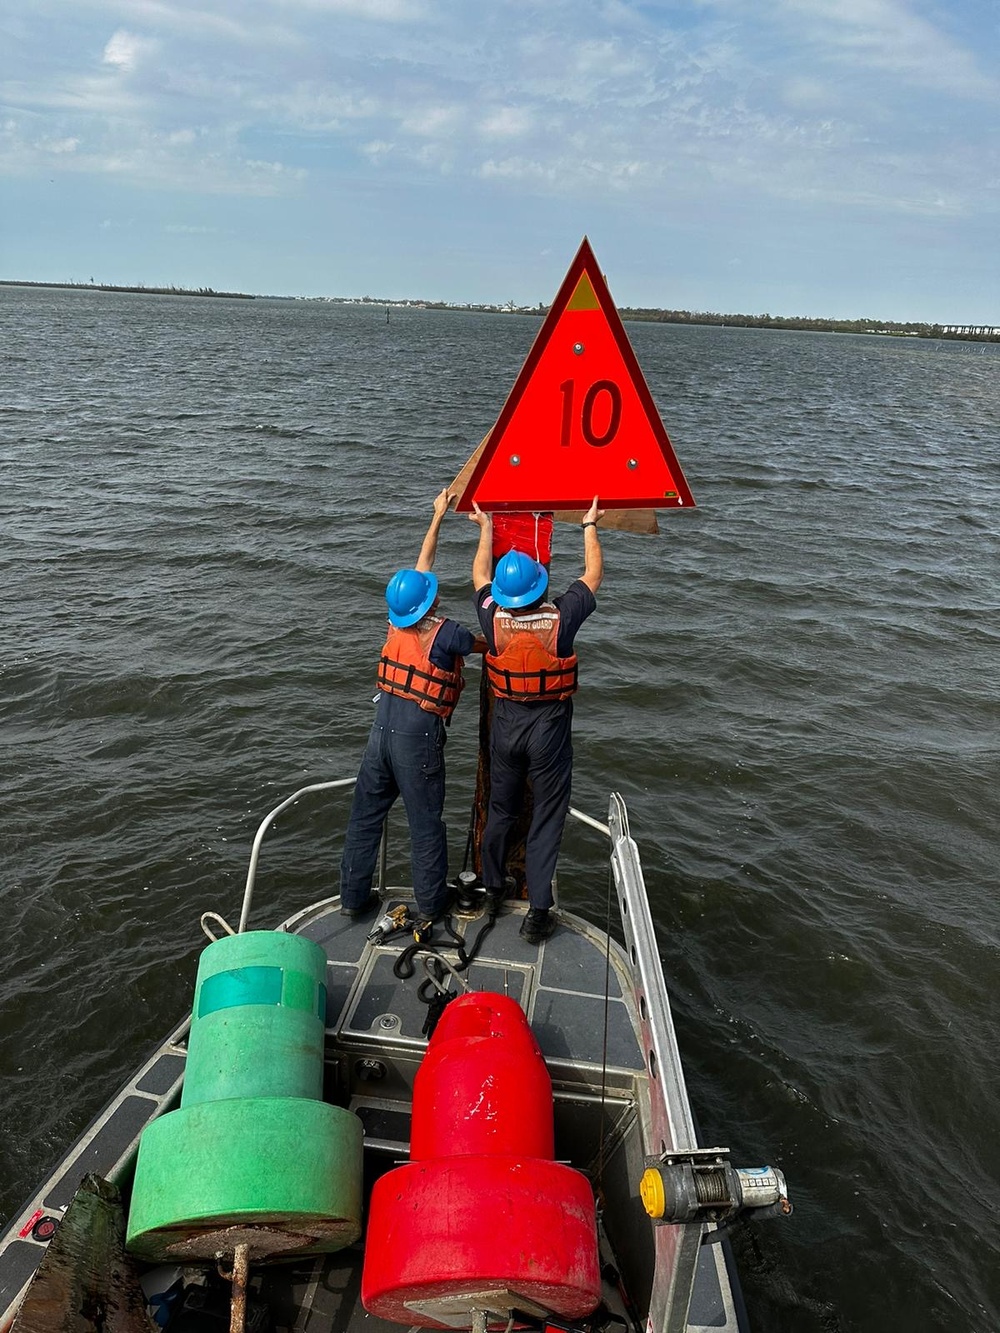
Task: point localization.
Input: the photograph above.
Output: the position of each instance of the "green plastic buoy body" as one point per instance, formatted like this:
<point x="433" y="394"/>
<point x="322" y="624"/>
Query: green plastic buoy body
<point x="258" y="1019"/>
<point x="253" y="1148"/>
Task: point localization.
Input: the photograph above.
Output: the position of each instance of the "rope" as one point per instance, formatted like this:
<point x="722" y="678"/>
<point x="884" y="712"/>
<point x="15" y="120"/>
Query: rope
<point x="432" y="991"/>
<point x="404" y="967"/>
<point x="435" y="966"/>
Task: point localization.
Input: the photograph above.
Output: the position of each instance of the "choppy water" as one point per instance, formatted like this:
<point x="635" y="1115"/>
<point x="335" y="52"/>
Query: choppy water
<point x="795" y="687"/>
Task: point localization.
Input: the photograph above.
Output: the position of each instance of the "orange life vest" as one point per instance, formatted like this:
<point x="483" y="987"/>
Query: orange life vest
<point x="525" y="666"/>
<point x="405" y="668"/>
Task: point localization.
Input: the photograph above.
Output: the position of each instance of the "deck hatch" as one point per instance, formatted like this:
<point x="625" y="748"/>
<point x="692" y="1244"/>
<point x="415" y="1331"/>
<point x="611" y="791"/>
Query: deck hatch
<point x="571" y="1025"/>
<point x="578" y="965"/>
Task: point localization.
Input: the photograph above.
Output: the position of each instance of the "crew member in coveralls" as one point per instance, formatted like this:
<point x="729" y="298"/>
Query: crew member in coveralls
<point x="533" y="674"/>
<point x="419" y="682"/>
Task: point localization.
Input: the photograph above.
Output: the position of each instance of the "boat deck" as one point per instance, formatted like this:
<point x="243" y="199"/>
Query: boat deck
<point x="578" y="994"/>
<point x="570" y="987"/>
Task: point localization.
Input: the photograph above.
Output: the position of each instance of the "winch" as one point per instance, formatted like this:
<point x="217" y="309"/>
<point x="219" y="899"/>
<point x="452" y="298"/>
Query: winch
<point x="700" y="1185"/>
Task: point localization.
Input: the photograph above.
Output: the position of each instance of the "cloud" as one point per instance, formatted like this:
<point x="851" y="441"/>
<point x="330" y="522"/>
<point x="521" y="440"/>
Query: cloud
<point x="518" y="169"/>
<point x="568" y="172"/>
<point x="204" y="24"/>
<point x="376" y="11"/>
<point x="58" y="145"/>
<point x="125" y="50"/>
<point x="507" y="122"/>
<point x="430" y="121"/>
<point x="887" y="36"/>
<point x="378" y="150"/>
<point x="821" y="100"/>
<point x="313" y="109"/>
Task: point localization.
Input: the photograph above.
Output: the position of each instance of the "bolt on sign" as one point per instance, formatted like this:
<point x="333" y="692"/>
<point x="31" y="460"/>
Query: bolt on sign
<point x="580" y="420"/>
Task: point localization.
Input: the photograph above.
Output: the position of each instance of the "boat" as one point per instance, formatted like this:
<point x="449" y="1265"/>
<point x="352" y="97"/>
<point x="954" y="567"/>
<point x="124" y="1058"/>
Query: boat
<point x="604" y="1082"/>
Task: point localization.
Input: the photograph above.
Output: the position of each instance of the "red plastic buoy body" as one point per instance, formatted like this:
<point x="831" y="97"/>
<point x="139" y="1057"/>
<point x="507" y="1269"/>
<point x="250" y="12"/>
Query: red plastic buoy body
<point x="481" y="1217"/>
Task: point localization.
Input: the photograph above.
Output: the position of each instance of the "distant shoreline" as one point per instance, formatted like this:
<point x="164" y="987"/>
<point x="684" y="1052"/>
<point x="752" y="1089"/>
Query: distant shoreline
<point x="138" y="290"/>
<point x="803" y="324"/>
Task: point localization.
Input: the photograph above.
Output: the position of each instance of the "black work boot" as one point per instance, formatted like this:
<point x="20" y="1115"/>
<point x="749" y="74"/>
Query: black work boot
<point x="366" y="908"/>
<point x="538" y="925"/>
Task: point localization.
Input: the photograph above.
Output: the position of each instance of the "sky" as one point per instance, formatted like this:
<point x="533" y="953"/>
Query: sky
<point x="835" y="158"/>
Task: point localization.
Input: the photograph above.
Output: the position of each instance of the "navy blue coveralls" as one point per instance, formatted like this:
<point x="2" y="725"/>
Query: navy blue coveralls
<point x="531" y="740"/>
<point x="404" y="757"/>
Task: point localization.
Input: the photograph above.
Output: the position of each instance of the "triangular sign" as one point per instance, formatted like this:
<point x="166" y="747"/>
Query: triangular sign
<point x="580" y="420"/>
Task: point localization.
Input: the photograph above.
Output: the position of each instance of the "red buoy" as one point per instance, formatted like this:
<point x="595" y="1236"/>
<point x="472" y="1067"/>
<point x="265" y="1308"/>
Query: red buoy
<point x="481" y="1217"/>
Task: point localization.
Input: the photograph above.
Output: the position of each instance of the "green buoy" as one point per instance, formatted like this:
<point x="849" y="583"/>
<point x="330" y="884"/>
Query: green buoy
<point x="253" y="1155"/>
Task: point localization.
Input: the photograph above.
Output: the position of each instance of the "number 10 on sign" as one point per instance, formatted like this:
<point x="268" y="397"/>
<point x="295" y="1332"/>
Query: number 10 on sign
<point x="593" y="409"/>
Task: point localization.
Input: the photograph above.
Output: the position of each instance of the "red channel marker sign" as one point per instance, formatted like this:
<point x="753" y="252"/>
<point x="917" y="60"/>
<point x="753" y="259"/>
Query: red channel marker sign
<point x="580" y="420"/>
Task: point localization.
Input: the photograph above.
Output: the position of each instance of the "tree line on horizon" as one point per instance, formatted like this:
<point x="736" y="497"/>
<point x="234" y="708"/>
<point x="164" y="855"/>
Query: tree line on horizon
<point x="897" y="328"/>
<point x="139" y="289"/>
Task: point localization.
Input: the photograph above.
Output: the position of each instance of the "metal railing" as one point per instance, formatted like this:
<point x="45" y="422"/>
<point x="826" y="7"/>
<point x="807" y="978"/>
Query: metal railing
<point x="671" y="1125"/>
<point x="266" y="824"/>
<point x="341" y="783"/>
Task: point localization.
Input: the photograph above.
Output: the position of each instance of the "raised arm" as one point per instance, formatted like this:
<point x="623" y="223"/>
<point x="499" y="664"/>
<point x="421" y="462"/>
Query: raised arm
<point x="425" y="560"/>
<point x="482" y="563"/>
<point x="593" y="556"/>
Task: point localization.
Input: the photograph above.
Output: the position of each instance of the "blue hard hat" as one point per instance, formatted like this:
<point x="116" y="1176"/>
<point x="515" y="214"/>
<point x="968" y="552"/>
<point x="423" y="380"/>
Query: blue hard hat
<point x="409" y="594"/>
<point x="518" y="580"/>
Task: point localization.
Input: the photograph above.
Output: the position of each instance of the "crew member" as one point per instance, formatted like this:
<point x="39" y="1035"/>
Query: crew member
<point x="533" y="674"/>
<point x="419" y="683"/>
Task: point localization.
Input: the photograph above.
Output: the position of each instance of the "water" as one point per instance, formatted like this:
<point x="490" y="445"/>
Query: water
<point x="794" y="687"/>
